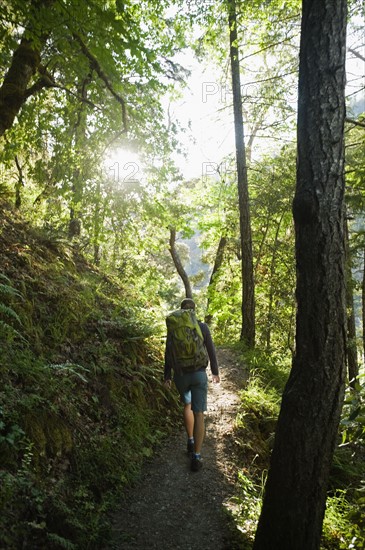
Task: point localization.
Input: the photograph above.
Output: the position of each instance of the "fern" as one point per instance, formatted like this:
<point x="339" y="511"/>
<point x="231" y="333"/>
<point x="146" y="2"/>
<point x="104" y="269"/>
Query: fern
<point x="61" y="541"/>
<point x="7" y="290"/>
<point x="9" y="332"/>
<point x="71" y="369"/>
<point x="4" y="278"/>
<point x="7" y="314"/>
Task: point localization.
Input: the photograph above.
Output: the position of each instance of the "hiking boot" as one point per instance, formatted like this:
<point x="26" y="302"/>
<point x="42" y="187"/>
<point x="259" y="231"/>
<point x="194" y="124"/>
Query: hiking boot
<point x="196" y="464"/>
<point x="190" y="447"/>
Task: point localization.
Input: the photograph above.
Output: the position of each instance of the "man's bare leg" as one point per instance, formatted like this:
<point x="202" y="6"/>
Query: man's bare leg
<point x="189" y="420"/>
<point x="199" y="431"/>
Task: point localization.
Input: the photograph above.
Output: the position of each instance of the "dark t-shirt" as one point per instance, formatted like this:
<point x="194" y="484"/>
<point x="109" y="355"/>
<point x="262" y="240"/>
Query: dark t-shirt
<point x="208" y="342"/>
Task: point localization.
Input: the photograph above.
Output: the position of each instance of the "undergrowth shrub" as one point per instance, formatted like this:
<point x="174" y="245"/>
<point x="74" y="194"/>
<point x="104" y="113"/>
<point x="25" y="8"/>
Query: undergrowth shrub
<point x="341" y="528"/>
<point x="344" y="523"/>
<point x="79" y="438"/>
<point x="81" y="401"/>
<point x="345" y="513"/>
<point x="254" y="435"/>
<point x="246" y="504"/>
<point x="9" y="319"/>
<point x="259" y="406"/>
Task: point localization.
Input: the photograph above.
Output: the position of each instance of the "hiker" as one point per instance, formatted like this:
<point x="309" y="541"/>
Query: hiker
<point x="190" y="377"/>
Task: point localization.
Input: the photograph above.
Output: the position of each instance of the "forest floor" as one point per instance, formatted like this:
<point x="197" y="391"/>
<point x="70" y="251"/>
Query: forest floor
<point x="171" y="508"/>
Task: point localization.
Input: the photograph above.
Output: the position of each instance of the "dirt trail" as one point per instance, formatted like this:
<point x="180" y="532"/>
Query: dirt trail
<point x="172" y="508"/>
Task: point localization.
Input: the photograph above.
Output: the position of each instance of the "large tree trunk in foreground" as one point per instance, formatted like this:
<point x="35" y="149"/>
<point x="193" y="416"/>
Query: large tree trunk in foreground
<point x="295" y="495"/>
<point x="248" y="285"/>
<point x="179" y="266"/>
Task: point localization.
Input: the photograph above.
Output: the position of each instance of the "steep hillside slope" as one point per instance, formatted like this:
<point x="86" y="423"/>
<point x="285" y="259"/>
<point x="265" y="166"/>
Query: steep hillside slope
<point x="81" y="400"/>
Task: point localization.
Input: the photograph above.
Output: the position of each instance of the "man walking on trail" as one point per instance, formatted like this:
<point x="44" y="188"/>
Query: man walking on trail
<point x="190" y="375"/>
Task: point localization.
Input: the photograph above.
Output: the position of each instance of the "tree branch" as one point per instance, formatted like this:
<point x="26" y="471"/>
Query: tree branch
<point x="356" y="54"/>
<point x="177" y="262"/>
<point x="48" y="82"/>
<point x="174" y="70"/>
<point x="95" y="65"/>
<point x="45" y="81"/>
<point x="355" y="122"/>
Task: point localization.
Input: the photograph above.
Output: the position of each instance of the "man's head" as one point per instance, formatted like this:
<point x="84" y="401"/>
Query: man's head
<point x="187" y="303"/>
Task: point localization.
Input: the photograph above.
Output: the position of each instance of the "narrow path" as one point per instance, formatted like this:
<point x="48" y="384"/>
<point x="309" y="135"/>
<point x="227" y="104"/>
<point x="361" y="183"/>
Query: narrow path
<point x="172" y="508"/>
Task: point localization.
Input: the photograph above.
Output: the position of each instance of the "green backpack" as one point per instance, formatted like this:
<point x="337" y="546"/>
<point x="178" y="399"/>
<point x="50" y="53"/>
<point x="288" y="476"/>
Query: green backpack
<point x="188" y="351"/>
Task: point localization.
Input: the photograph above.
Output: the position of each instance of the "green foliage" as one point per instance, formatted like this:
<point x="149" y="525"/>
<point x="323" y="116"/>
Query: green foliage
<point x="254" y="435"/>
<point x="271" y="369"/>
<point x="271" y="191"/>
<point x="343" y="524"/>
<point x="353" y="416"/>
<point x="273" y="230"/>
<point x="246" y="506"/>
<point x="8" y="317"/>
<point x="81" y="351"/>
<point x="344" y="520"/>
<point x="104" y="71"/>
<point x="82" y="400"/>
<point x="259" y="407"/>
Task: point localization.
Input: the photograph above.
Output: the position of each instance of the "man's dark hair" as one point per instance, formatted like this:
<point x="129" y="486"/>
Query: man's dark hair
<point x="187" y="303"/>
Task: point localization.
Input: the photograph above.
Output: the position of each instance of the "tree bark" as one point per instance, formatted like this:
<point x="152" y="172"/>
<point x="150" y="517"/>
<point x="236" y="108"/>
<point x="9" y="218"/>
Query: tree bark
<point x="177" y="262"/>
<point x="19" y="183"/>
<point x="26" y="62"/>
<point x="75" y="221"/>
<point x="24" y="65"/>
<point x="248" y="286"/>
<point x="295" y="493"/>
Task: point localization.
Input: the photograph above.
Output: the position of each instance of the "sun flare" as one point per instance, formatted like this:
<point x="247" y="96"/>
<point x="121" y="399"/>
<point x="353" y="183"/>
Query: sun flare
<point x="123" y="166"/>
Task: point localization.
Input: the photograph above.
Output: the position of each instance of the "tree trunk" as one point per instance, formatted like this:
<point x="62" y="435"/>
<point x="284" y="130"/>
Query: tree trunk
<point x="270" y="313"/>
<point x="24" y="65"/>
<point x="295" y="494"/>
<point x="177" y="262"/>
<point x="19" y="184"/>
<point x="248" y="287"/>
<point x="216" y="267"/>
<point x="75" y="222"/>
<point x="98" y="222"/>
<point x="97" y="254"/>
